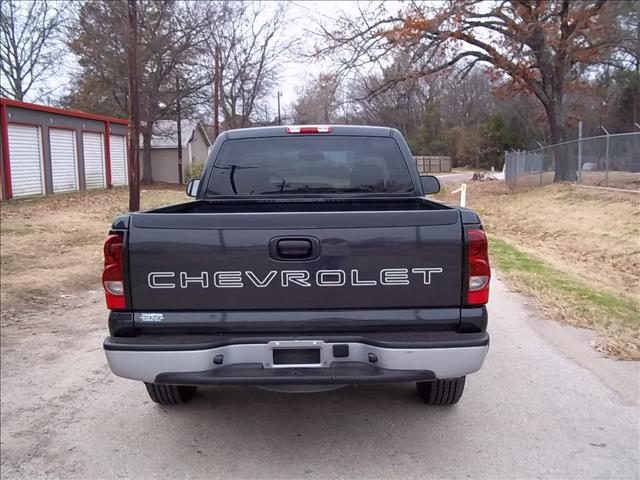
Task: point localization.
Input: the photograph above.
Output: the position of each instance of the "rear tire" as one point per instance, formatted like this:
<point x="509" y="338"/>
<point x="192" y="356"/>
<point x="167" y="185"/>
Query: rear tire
<point x="441" y="392"/>
<point x="170" y="394"/>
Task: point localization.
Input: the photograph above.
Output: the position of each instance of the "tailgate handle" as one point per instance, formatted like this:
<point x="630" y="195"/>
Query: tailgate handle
<point x="295" y="248"/>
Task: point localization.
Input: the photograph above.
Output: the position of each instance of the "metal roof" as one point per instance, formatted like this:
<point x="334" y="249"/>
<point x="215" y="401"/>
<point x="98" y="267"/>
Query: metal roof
<point x="165" y="133"/>
<point x="62" y="111"/>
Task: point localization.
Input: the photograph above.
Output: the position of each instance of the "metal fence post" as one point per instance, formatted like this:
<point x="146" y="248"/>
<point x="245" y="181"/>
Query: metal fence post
<point x="606" y="172"/>
<point x="542" y="160"/>
<point x="580" y="151"/>
<point x="606" y="159"/>
<point x="541" y="164"/>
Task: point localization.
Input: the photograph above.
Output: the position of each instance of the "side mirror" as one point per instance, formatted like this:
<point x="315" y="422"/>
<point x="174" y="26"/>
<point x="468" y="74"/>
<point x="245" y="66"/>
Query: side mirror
<point x="430" y="184"/>
<point x="192" y="187"/>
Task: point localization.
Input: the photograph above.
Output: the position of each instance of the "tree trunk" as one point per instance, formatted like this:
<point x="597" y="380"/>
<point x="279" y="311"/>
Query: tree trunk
<point x="636" y="96"/>
<point x="147" y="173"/>
<point x="565" y="161"/>
<point x="18" y="93"/>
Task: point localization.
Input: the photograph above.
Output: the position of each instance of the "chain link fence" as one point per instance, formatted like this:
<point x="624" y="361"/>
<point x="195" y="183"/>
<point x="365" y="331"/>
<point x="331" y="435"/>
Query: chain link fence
<point x="606" y="160"/>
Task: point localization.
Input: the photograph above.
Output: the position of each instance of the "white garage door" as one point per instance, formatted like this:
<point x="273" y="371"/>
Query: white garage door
<point x="117" y="146"/>
<point x="64" y="160"/>
<point x="93" y="148"/>
<point x="25" y="158"/>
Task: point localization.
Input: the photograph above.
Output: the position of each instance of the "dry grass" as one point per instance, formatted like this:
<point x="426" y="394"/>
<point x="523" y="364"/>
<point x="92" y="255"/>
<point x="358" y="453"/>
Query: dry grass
<point x="615" y="179"/>
<point x="591" y="235"/>
<point x="51" y="247"/>
<point x="590" y="238"/>
<point x="563" y="297"/>
<point x="627" y="180"/>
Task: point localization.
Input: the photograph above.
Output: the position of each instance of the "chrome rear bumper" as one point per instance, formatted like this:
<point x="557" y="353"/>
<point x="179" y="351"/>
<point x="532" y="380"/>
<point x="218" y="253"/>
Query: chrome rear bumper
<point x="254" y="363"/>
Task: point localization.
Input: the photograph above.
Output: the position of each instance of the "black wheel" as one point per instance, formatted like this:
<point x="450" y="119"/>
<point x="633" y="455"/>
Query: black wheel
<point x="170" y="394"/>
<point x="441" y="392"/>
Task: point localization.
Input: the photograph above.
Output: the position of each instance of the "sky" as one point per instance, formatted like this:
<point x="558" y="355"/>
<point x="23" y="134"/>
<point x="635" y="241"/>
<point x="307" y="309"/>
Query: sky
<point x="302" y="18"/>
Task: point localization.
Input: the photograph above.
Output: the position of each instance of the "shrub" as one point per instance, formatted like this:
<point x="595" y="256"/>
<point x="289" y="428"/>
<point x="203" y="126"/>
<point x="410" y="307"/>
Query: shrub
<point x="194" y="171"/>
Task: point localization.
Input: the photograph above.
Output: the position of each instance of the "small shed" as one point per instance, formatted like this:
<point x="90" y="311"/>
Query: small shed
<point x="164" y="148"/>
<point x="52" y="150"/>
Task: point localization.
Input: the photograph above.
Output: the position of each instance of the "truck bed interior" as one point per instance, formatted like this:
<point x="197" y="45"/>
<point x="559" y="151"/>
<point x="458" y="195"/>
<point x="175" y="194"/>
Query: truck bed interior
<point x="264" y="205"/>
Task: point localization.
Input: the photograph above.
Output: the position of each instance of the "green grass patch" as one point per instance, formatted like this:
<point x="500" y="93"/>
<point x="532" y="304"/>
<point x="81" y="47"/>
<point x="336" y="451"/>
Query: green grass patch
<point x="615" y="317"/>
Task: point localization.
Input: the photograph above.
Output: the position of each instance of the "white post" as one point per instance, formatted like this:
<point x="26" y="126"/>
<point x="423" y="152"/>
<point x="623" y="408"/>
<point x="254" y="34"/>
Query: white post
<point x="463" y="194"/>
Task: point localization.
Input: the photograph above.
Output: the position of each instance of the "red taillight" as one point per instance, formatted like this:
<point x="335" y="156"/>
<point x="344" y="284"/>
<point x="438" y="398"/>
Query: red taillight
<point x="305" y="130"/>
<point x="113" y="274"/>
<point x="479" y="270"/>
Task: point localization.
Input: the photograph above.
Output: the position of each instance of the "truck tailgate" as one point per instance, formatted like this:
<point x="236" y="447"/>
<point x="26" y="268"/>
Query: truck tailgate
<point x="295" y="260"/>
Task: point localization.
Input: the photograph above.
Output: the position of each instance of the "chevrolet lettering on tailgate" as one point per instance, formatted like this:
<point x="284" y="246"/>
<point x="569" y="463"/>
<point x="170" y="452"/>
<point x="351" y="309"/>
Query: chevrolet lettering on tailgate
<point x="288" y="278"/>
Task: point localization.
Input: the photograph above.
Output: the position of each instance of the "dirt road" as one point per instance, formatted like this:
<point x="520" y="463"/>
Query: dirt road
<point x="539" y="408"/>
<point x="455" y="177"/>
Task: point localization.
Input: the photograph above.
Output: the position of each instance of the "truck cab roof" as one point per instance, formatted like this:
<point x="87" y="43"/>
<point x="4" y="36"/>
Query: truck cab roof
<point x="282" y="131"/>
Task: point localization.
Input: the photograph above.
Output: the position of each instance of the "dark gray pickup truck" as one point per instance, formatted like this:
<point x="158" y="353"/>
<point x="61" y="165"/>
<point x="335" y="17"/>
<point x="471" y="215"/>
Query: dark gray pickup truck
<point x="309" y="256"/>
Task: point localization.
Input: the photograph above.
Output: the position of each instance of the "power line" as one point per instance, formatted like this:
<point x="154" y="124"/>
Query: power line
<point x="311" y="10"/>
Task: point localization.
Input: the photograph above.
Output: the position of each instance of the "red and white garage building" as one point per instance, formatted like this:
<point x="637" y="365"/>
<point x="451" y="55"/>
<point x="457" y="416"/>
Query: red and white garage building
<point x="53" y="150"/>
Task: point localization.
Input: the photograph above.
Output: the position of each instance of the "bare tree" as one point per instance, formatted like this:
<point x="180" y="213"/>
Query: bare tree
<point x="253" y="50"/>
<point x="29" y="51"/>
<point x="533" y="47"/>
<point x="466" y="101"/>
<point x="629" y="21"/>
<point x="383" y="100"/>
<point x="317" y="102"/>
<point x="169" y="42"/>
<point x="628" y="51"/>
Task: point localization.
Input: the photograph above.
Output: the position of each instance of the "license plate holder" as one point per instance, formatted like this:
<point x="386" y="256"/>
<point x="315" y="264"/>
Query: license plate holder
<point x="290" y="356"/>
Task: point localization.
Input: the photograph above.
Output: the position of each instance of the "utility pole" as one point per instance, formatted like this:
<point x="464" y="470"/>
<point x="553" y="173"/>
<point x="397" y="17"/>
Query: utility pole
<point x="279" y="118"/>
<point x="134" y="109"/>
<point x="179" y="120"/>
<point x="216" y="92"/>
